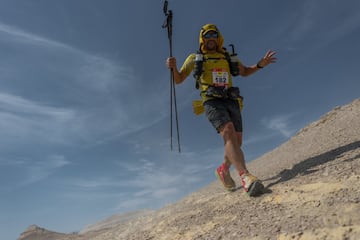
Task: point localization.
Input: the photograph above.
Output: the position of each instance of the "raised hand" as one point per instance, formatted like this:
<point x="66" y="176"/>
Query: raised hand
<point x="267" y="59"/>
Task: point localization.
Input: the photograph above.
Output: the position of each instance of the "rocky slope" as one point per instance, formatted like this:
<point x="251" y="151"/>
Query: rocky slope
<point x="313" y="192"/>
<point x="115" y="220"/>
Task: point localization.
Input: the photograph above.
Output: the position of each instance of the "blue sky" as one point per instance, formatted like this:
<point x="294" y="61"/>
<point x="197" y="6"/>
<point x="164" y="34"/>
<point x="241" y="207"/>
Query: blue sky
<point x="84" y="98"/>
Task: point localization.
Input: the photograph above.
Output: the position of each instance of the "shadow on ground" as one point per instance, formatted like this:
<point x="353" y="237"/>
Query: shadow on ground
<point x="305" y="166"/>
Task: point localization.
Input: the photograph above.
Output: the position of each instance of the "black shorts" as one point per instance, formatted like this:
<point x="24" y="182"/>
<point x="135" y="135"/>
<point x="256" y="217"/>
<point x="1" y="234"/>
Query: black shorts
<point x="221" y="111"/>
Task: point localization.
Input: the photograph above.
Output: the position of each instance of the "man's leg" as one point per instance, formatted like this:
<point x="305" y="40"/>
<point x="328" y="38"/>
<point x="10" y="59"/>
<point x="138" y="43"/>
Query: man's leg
<point x="227" y="162"/>
<point x="232" y="151"/>
<point x="222" y="172"/>
<point x="234" y="155"/>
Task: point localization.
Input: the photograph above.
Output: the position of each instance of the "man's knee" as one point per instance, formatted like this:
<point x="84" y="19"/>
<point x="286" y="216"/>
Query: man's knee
<point x="228" y="131"/>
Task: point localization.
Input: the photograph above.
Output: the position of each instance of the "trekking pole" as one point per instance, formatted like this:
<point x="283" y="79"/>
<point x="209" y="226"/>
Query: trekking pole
<point x="168" y="24"/>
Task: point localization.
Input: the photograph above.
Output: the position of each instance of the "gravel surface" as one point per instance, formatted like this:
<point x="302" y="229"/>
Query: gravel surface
<point x="312" y="192"/>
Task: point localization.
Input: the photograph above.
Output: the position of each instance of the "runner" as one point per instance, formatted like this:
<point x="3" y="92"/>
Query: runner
<point x="213" y="69"/>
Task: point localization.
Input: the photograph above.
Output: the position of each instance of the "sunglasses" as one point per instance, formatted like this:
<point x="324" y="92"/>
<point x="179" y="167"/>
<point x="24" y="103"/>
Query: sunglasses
<point x="210" y="35"/>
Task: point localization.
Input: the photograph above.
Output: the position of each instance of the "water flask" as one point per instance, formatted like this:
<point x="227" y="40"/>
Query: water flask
<point x="198" y="69"/>
<point x="234" y="65"/>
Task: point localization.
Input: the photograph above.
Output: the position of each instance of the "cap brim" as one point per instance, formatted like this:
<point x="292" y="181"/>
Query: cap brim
<point x="209" y="30"/>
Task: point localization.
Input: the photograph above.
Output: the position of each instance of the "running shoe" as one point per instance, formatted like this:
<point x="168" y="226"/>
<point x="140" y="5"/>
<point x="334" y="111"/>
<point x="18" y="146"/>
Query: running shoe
<point x="225" y="178"/>
<point x="252" y="185"/>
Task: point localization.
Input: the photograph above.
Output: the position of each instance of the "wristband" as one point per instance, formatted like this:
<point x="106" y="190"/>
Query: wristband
<point x="258" y="66"/>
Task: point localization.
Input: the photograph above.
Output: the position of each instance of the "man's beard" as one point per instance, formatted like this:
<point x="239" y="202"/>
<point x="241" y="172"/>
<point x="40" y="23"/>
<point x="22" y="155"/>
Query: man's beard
<point x="211" y="45"/>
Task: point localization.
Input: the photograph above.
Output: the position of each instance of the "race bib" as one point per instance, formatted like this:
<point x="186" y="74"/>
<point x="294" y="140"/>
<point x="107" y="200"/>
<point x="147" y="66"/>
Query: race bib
<point x="220" y="77"/>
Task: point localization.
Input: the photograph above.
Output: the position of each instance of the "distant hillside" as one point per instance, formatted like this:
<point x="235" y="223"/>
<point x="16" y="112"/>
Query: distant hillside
<point x="36" y="232"/>
<point x="313" y="192"/>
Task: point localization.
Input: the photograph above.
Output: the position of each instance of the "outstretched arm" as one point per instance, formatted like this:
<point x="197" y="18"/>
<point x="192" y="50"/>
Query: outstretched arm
<point x="266" y="60"/>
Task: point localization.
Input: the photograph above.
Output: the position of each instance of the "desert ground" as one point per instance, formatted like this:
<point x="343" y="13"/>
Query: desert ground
<point x="312" y="192"/>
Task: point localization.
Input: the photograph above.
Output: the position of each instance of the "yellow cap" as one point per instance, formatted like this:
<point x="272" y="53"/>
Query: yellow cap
<point x="211" y="27"/>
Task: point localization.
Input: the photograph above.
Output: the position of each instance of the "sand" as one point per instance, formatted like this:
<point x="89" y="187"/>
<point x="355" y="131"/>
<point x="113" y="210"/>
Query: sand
<point x="312" y="192"/>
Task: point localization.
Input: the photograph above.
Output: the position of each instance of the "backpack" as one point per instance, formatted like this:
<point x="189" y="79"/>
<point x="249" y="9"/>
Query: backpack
<point x="230" y="58"/>
<point x="198" y="105"/>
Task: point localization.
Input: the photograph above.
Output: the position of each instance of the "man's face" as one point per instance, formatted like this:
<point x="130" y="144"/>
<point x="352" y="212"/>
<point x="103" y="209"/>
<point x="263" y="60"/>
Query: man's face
<point x="210" y="40"/>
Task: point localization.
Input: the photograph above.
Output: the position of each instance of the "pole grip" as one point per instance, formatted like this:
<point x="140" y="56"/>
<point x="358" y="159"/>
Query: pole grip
<point x="165" y="7"/>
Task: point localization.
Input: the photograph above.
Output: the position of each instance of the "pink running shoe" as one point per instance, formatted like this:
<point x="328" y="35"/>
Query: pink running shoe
<point x="225" y="178"/>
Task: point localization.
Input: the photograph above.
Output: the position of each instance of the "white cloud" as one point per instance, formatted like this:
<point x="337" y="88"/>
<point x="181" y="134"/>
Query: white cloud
<point x="94" y="71"/>
<point x="94" y="183"/>
<point x="165" y="181"/>
<point x="20" y="105"/>
<point x="20" y="35"/>
<point x="132" y="204"/>
<point x="280" y="124"/>
<point x="305" y="22"/>
<point x="142" y="188"/>
<point x="11" y="162"/>
<point x="22" y="120"/>
<point x="102" y="74"/>
<point x="142" y="165"/>
<point x="254" y="139"/>
<point x="42" y="169"/>
<point x="319" y="24"/>
<point x="157" y="181"/>
<point x="104" y="93"/>
<point x="141" y="200"/>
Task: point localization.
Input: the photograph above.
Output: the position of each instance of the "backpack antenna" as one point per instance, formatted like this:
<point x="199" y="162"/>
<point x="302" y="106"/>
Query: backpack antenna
<point x="232" y="49"/>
